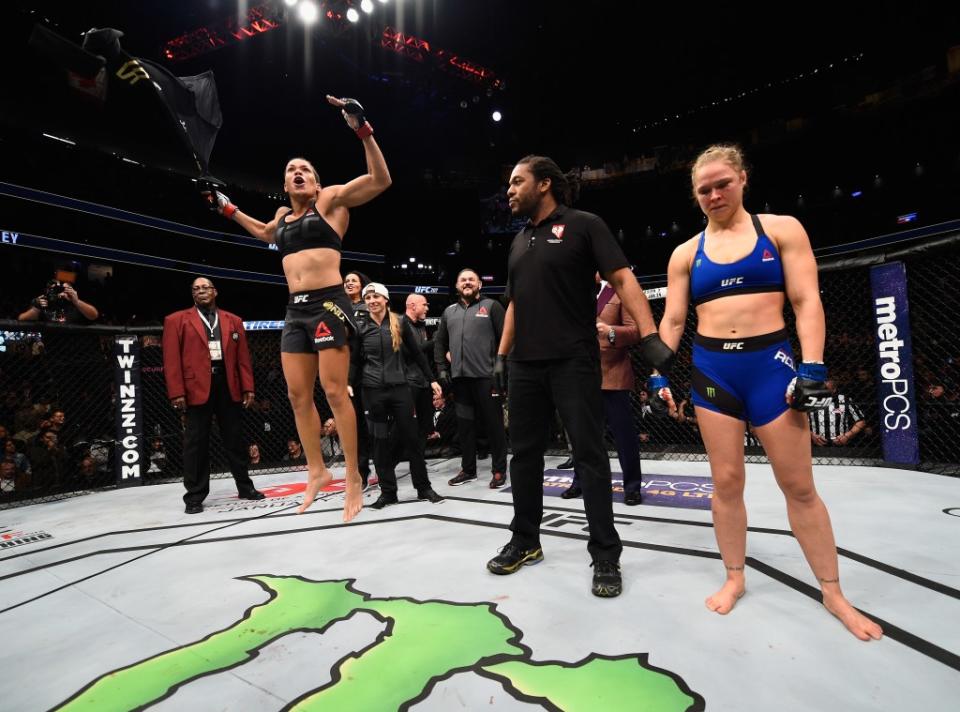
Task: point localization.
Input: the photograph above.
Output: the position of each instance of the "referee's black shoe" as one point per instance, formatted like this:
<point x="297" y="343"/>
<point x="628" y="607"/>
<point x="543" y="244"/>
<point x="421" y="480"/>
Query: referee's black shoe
<point x="607" y="581"/>
<point x="385" y="500"/>
<point x="512" y="557"/>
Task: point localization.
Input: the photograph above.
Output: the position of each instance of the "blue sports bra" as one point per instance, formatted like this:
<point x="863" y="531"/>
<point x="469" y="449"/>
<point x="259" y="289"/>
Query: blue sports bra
<point x="760" y="271"/>
<point x="308" y="231"/>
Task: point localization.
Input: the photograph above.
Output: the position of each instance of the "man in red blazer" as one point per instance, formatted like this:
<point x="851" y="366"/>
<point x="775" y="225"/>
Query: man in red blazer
<point x="206" y="365"/>
<point x="616" y="333"/>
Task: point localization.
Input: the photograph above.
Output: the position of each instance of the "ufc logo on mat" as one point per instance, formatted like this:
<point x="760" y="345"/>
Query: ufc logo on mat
<point x="301" y="298"/>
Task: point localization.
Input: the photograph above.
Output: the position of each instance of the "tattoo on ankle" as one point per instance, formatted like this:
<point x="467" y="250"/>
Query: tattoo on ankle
<point x="734" y="568"/>
<point x="833" y="580"/>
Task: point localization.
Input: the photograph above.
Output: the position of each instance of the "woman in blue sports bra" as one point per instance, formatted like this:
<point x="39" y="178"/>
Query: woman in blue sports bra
<point x="738" y="273"/>
<point x="319" y="316"/>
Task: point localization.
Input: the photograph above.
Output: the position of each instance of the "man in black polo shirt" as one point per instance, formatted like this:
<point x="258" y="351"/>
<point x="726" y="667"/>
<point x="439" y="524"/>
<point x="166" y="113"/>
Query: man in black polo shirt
<point x="470" y="331"/>
<point x="550" y="334"/>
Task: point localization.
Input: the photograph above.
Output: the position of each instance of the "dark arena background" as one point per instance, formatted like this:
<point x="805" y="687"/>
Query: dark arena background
<point x="111" y="597"/>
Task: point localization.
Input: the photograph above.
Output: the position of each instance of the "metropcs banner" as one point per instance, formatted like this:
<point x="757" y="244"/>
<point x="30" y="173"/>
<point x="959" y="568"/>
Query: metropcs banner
<point x="896" y="394"/>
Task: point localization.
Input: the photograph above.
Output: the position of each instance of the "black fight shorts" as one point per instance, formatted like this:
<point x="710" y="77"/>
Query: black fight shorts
<point x="317" y="319"/>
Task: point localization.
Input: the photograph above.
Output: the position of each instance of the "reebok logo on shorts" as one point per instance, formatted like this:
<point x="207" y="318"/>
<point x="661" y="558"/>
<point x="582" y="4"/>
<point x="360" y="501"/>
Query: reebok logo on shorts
<point x="322" y="334"/>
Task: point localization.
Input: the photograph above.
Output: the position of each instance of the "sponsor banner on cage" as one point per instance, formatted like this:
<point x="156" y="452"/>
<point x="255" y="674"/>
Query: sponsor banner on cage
<point x="128" y="455"/>
<point x="688" y="492"/>
<point x="896" y="395"/>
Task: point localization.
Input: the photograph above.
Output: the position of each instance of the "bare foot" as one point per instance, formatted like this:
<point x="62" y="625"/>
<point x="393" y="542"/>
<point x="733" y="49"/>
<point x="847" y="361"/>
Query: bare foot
<point x="726" y="598"/>
<point x="854" y="620"/>
<point x="314" y="485"/>
<point x="353" y="500"/>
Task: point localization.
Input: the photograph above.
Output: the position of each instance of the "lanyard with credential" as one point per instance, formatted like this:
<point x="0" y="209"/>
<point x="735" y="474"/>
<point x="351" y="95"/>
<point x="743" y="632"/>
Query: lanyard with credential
<point x="216" y="320"/>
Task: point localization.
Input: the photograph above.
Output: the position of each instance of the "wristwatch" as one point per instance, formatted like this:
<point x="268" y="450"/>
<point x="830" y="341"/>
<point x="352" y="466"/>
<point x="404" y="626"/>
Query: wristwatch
<point x="611" y="336"/>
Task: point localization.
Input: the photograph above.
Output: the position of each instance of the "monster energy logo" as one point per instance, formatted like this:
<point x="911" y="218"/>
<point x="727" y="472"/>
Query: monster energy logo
<point x="711" y="392"/>
<point x="424" y="642"/>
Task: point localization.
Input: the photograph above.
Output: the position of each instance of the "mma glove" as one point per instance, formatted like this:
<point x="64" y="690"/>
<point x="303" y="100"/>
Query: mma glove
<point x="220" y="203"/>
<point x="443" y="378"/>
<point x="661" y="397"/>
<point x="808" y="390"/>
<point x="359" y="123"/>
<point x="656" y="353"/>
<point x="500" y="374"/>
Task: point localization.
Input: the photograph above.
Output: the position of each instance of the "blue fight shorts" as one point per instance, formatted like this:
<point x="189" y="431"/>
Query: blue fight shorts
<point x="745" y="378"/>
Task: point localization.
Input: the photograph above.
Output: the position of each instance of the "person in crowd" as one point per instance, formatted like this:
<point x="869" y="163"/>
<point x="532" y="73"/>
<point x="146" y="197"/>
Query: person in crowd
<point x="59" y="303"/>
<point x="838" y="422"/>
<point x="253" y="455"/>
<point x="294" y="454"/>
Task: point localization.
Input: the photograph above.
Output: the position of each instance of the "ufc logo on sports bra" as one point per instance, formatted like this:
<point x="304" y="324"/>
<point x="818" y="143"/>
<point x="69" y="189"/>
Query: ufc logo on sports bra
<point x="733" y="346"/>
<point x="301" y="298"/>
<point x="731" y="281"/>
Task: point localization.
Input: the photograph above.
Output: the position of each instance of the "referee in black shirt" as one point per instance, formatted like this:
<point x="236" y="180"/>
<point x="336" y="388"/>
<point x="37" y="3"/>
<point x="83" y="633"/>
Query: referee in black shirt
<point x="551" y="338"/>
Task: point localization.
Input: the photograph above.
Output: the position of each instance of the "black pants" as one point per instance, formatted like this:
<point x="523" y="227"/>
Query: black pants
<point x="363" y="437"/>
<point x="396" y="401"/>
<point x="196" y="442"/>
<point x="619" y="414"/>
<point x="472" y="400"/>
<point x="571" y="385"/>
<point x="423" y="406"/>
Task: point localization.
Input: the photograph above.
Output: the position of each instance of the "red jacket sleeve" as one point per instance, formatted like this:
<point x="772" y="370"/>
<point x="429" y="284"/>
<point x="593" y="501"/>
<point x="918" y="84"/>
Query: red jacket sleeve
<point x="172" y="366"/>
<point x="243" y="360"/>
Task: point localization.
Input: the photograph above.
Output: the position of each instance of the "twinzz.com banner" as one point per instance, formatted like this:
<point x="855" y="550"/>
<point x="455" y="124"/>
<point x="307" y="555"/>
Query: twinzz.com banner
<point x="896" y="395"/>
<point x="129" y="421"/>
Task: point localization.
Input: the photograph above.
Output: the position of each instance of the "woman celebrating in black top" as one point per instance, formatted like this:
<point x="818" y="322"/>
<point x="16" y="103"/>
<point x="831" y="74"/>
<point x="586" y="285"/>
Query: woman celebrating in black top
<point x="385" y="341"/>
<point x="309" y="235"/>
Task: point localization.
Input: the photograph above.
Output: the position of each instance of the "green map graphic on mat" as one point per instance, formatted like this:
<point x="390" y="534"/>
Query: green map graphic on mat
<point x="423" y="643"/>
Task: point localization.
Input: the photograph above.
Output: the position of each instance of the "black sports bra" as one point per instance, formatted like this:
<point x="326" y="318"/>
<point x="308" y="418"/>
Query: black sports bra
<point x="308" y="231"/>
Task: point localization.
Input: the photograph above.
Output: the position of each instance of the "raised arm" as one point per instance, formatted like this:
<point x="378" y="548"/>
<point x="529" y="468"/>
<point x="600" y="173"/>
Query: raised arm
<point x="365" y="188"/>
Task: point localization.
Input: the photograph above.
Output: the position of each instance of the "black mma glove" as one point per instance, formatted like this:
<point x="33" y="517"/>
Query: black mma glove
<point x="443" y="378"/>
<point x="656" y="353"/>
<point x="353" y="109"/>
<point x="808" y="391"/>
<point x="500" y="374"/>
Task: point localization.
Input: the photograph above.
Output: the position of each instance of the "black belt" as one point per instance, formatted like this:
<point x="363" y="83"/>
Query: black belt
<point x="217" y="368"/>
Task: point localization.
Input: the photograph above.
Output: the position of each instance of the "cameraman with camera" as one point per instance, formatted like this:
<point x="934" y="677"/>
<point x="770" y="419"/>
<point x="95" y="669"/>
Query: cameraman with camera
<point x="59" y="303"/>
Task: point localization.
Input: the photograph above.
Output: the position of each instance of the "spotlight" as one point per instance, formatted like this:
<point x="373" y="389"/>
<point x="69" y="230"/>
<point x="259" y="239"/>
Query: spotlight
<point x="290" y="3"/>
<point x="353" y="15"/>
<point x="366" y="6"/>
<point x="308" y="12"/>
<point x="497" y="116"/>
